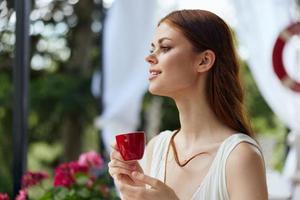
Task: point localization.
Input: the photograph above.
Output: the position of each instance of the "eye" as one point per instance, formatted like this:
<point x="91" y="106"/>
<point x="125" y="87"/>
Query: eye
<point x="165" y="48"/>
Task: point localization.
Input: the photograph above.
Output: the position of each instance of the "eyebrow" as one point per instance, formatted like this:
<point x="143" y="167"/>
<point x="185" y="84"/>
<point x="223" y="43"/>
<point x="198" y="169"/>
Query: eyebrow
<point x="160" y="40"/>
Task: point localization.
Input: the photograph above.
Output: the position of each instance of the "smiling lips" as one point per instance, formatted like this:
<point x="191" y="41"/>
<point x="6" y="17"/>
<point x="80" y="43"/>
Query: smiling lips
<point x="154" y="74"/>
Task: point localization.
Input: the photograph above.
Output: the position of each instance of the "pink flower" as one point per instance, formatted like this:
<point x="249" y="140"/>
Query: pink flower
<point x="76" y="167"/>
<point x="104" y="189"/>
<point x="33" y="178"/>
<point x="4" y="196"/>
<point x="65" y="173"/>
<point x="91" y="159"/>
<point x="22" y="195"/>
<point x="90" y="182"/>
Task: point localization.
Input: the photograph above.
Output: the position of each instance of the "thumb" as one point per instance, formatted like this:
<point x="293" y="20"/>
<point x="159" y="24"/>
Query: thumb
<point x="154" y="183"/>
<point x="114" y="146"/>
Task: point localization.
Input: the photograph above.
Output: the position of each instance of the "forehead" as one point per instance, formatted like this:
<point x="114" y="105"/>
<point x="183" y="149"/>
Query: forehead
<point x="168" y="31"/>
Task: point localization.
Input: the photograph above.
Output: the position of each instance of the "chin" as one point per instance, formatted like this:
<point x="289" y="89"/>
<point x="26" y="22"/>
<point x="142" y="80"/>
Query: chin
<point x="157" y="92"/>
<point x="154" y="90"/>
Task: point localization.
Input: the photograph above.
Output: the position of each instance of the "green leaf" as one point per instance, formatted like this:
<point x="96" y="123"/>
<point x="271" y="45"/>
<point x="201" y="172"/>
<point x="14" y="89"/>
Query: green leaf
<point x="61" y="193"/>
<point x="81" y="179"/>
<point x="84" y="193"/>
<point x="47" y="196"/>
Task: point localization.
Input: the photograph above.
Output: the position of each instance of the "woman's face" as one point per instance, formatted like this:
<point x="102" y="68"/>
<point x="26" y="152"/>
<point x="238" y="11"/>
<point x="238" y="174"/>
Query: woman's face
<point x="173" y="63"/>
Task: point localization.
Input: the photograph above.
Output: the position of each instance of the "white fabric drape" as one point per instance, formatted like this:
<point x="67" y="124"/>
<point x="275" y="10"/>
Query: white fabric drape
<point x="129" y="28"/>
<point x="259" y="24"/>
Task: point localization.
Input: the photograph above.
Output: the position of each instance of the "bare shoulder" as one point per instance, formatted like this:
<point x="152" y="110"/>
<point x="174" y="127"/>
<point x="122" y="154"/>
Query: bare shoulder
<point x="245" y="173"/>
<point x="245" y="152"/>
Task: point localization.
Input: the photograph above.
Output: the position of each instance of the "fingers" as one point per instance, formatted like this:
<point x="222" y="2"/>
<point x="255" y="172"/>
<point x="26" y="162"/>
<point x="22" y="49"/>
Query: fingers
<point x="117" y="160"/>
<point x="118" y="167"/>
<point x="114" y="146"/>
<point x="115" y="154"/>
<point x="137" y="176"/>
<point x="124" y="179"/>
<point x="120" y="164"/>
<point x="129" y="191"/>
<point x="115" y="171"/>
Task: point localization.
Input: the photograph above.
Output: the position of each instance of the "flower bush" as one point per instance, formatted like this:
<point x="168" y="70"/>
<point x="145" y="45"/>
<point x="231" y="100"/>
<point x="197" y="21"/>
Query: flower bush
<point x="86" y="178"/>
<point x="4" y="196"/>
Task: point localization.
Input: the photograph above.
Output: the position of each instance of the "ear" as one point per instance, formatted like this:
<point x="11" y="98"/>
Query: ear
<point x="206" y="60"/>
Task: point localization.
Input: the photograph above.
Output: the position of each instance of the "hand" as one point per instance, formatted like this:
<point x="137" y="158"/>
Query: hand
<point x="158" y="189"/>
<point x="118" y="168"/>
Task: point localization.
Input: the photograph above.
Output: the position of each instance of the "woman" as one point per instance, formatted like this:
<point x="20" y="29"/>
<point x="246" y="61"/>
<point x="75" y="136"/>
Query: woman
<point x="212" y="156"/>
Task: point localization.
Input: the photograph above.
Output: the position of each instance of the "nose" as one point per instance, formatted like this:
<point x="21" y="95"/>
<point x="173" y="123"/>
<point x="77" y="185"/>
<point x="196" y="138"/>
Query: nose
<point x="151" y="59"/>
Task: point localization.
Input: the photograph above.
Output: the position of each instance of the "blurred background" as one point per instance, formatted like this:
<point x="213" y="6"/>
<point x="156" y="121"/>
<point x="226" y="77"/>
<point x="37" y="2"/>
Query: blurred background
<point x="88" y="79"/>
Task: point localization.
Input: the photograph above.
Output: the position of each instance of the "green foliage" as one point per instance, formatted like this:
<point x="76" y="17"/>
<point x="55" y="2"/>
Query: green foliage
<point x="39" y="156"/>
<point x="263" y="119"/>
<point x="5" y="132"/>
<point x="80" y="191"/>
<point x="64" y="53"/>
<point x="170" y="117"/>
<point x="54" y="97"/>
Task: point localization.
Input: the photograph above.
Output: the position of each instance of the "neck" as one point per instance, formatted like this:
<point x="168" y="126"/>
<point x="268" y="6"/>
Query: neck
<point x="199" y="125"/>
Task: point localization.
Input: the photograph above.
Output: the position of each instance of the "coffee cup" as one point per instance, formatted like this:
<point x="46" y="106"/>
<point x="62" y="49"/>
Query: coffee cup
<point x="131" y="145"/>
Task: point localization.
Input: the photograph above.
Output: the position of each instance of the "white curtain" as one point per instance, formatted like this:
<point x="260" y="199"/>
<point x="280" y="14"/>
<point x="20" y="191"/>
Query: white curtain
<point x="128" y="31"/>
<point x="259" y="24"/>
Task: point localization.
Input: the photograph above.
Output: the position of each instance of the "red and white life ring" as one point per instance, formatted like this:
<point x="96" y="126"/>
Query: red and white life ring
<point x="278" y="65"/>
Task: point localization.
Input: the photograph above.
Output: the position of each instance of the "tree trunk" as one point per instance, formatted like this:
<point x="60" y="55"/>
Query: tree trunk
<point x="79" y="64"/>
<point x="72" y="135"/>
<point x="82" y="38"/>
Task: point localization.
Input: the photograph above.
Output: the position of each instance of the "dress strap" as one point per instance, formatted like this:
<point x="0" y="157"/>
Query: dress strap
<point x="159" y="150"/>
<point x="234" y="140"/>
<point x="229" y="146"/>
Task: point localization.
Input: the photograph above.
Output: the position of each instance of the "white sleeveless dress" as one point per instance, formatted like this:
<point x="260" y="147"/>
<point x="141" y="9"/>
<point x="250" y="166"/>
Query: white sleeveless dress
<point x="213" y="186"/>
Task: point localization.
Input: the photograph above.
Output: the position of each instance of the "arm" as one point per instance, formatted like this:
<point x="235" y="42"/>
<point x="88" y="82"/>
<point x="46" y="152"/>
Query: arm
<point x="245" y="174"/>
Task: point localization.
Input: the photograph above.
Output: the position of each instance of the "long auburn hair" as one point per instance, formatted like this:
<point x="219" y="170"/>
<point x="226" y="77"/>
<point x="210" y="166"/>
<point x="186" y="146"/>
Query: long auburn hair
<point x="224" y="91"/>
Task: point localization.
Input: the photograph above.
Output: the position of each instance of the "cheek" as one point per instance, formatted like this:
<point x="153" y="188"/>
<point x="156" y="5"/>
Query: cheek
<point x="178" y="74"/>
<point x="184" y="79"/>
<point x="172" y="80"/>
<point x="181" y="71"/>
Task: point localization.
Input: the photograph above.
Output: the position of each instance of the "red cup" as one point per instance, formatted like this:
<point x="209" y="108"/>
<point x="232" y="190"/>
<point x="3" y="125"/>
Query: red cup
<point x="131" y="145"/>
